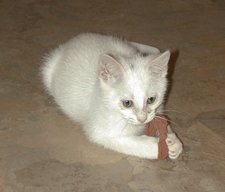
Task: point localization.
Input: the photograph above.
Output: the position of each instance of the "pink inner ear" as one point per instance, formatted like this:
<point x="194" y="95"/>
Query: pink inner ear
<point x="158" y="71"/>
<point x="110" y="70"/>
<point x="104" y="74"/>
<point x="159" y="66"/>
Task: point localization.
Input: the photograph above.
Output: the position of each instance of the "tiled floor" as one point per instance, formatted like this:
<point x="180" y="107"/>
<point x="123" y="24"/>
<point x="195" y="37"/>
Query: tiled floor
<point x="41" y="150"/>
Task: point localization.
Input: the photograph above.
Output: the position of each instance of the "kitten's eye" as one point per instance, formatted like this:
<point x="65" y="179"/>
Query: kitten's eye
<point x="151" y="100"/>
<point x="127" y="103"/>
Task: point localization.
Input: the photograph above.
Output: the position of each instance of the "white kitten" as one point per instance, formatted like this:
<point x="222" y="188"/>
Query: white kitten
<point x="112" y="87"/>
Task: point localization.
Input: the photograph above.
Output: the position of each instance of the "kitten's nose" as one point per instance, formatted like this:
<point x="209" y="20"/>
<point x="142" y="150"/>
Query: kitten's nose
<point x="142" y="116"/>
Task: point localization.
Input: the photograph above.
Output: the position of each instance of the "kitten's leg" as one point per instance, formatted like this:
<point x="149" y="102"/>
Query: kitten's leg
<point x="174" y="144"/>
<point x="141" y="146"/>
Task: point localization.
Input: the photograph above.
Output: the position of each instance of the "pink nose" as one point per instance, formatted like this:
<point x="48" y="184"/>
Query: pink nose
<point x="141" y="117"/>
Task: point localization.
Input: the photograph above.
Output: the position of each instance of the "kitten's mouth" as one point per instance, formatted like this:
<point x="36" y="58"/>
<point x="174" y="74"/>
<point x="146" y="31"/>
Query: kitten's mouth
<point x="149" y="119"/>
<point x="134" y="122"/>
<point x="138" y="123"/>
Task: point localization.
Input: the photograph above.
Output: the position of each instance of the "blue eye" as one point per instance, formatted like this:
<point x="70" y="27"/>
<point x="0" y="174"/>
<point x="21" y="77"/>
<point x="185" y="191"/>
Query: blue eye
<point x="127" y="103"/>
<point x="151" y="100"/>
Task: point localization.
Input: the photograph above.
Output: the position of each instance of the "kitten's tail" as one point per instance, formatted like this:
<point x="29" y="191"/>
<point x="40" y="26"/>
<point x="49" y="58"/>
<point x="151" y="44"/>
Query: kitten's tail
<point x="48" y="68"/>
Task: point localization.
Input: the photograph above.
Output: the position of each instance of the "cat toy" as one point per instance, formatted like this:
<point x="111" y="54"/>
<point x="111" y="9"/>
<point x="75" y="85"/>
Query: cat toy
<point x="158" y="128"/>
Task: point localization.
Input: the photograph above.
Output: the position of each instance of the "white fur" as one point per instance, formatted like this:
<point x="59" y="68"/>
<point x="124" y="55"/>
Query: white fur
<point x="89" y="76"/>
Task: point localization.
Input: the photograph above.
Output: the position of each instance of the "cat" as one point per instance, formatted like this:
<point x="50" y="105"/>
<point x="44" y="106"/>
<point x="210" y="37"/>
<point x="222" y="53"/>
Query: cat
<point x="112" y="87"/>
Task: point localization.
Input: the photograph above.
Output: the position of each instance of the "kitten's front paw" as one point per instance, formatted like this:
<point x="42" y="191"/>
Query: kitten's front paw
<point x="174" y="145"/>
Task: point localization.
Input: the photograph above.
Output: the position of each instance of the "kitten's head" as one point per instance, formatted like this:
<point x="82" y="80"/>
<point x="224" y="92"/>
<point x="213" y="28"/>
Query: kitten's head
<point x="134" y="86"/>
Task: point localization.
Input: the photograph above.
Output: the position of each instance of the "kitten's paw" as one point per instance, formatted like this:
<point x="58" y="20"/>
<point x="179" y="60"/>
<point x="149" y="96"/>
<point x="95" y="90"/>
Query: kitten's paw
<point x="174" y="145"/>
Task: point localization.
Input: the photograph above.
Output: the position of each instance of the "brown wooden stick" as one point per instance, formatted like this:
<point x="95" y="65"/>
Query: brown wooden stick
<point x="158" y="127"/>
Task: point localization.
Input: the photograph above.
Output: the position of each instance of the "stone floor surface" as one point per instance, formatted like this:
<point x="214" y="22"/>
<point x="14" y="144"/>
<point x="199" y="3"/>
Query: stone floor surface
<point x="41" y="150"/>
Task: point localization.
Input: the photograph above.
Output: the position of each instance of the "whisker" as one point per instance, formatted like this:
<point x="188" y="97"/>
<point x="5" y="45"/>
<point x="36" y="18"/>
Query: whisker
<point x="172" y="122"/>
<point x="174" y="111"/>
<point x="117" y="122"/>
<point x="124" y="127"/>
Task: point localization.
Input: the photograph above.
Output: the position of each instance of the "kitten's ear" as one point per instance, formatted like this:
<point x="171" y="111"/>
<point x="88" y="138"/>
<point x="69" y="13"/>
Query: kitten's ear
<point x="159" y="65"/>
<point x="111" y="71"/>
